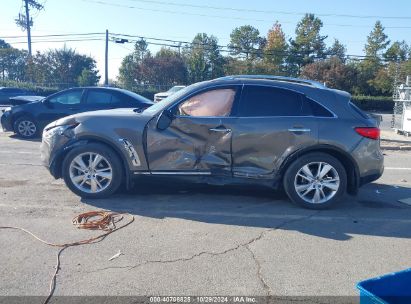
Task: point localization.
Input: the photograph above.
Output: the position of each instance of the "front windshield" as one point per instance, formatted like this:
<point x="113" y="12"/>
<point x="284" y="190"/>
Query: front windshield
<point x="168" y="101"/>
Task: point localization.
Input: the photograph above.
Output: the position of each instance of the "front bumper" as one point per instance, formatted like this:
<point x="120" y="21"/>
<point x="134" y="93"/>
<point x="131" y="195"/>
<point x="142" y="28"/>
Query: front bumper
<point x="6" y="123"/>
<point x="51" y="150"/>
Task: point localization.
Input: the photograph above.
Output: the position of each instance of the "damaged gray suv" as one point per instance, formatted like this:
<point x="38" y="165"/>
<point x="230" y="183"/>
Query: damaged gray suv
<point x="267" y="130"/>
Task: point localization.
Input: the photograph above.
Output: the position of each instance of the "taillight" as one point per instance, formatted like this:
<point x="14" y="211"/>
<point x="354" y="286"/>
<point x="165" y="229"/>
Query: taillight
<point x="373" y="133"/>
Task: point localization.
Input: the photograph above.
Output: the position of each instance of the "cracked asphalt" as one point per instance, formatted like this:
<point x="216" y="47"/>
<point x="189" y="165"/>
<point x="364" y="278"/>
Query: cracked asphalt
<point x="196" y="239"/>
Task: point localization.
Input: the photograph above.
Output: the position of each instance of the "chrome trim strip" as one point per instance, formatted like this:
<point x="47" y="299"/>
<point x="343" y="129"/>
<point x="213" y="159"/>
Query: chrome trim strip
<point x="299" y="130"/>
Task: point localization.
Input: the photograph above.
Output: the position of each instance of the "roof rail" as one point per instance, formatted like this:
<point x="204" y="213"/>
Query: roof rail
<point x="277" y="78"/>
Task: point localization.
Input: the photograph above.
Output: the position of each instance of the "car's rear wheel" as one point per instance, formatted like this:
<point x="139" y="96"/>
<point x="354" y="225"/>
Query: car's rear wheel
<point x="92" y="171"/>
<point x="315" y="181"/>
<point x="25" y="127"/>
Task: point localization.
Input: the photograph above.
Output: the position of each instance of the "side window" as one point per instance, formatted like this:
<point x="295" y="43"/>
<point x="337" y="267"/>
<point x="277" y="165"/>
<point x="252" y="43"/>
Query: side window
<point x="268" y="101"/>
<point x="67" y="98"/>
<point x="100" y="97"/>
<point x="217" y="102"/>
<point x="316" y="109"/>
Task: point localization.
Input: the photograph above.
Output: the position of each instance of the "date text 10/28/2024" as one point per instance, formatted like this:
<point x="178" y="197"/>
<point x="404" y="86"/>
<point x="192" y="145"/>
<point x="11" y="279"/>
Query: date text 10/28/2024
<point x="203" y="299"/>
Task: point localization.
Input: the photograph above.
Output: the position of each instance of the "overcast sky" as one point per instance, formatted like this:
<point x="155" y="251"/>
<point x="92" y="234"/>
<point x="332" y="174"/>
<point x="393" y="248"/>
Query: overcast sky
<point x="181" y="20"/>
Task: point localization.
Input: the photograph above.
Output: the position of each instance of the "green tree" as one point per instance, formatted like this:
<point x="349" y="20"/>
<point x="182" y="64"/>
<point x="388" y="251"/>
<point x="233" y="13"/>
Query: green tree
<point x="275" y="50"/>
<point x="377" y="42"/>
<point x="67" y="65"/>
<point x="246" y="40"/>
<point x="130" y="74"/>
<point x="167" y="67"/>
<point x="88" y="78"/>
<point x="398" y="51"/>
<point x="203" y="58"/>
<point x="337" y="50"/>
<point x="12" y="63"/>
<point x="308" y="44"/>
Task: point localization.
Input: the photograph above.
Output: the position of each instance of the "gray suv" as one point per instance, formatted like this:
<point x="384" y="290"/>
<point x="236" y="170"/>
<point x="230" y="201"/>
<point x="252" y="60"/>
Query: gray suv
<point x="267" y="130"/>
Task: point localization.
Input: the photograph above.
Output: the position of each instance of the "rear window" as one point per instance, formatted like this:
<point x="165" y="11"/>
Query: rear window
<point x="358" y="111"/>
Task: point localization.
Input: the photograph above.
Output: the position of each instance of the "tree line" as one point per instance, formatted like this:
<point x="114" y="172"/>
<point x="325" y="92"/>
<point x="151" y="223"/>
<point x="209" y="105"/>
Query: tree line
<point x="60" y="68"/>
<point x="304" y="55"/>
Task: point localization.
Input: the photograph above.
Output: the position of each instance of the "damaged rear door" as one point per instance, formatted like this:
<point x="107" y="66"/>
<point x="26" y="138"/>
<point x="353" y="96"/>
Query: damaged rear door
<point x="198" y="139"/>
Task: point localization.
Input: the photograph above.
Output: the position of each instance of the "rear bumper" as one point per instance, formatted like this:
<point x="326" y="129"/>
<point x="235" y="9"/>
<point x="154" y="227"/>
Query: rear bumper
<point x="371" y="177"/>
<point x="6" y="122"/>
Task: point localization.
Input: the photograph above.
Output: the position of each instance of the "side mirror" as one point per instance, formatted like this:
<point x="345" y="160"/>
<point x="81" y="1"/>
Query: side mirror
<point x="47" y="103"/>
<point x="164" y="120"/>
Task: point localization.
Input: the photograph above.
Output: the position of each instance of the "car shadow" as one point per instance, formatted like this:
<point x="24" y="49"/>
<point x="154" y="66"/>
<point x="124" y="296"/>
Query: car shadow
<point x="35" y="139"/>
<point x="375" y="211"/>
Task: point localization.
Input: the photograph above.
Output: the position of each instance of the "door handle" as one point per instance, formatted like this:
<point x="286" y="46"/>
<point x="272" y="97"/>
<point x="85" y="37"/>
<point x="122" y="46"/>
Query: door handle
<point x="299" y="130"/>
<point x="220" y="130"/>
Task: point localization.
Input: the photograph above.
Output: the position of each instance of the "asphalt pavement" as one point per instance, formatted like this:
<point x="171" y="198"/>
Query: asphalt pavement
<point x="199" y="240"/>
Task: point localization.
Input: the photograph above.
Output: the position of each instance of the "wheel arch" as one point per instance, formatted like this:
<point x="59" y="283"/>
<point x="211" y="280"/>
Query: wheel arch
<point x="18" y="115"/>
<point x="348" y="162"/>
<point x="57" y="163"/>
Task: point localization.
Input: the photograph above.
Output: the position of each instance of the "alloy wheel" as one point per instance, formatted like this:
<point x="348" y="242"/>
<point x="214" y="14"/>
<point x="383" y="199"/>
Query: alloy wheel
<point x="27" y="128"/>
<point x="90" y="172"/>
<point x="317" y="182"/>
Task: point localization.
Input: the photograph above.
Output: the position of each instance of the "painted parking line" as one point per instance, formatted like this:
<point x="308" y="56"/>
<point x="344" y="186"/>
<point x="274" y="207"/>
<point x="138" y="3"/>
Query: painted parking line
<point x="19" y="152"/>
<point x="394" y="168"/>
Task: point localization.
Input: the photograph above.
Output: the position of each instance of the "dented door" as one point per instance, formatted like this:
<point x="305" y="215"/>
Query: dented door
<point x="198" y="140"/>
<point x="191" y="145"/>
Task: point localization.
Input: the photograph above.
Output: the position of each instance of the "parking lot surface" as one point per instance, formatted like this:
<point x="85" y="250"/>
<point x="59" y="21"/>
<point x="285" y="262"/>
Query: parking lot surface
<point x="198" y="239"/>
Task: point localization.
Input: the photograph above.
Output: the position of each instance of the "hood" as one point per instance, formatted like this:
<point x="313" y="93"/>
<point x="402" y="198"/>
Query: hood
<point x="18" y="100"/>
<point x="26" y="106"/>
<point x="118" y="116"/>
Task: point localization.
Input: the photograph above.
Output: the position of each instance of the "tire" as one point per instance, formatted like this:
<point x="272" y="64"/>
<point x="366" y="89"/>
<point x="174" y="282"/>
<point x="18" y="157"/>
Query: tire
<point x="79" y="174"/>
<point x="26" y="127"/>
<point x="315" y="191"/>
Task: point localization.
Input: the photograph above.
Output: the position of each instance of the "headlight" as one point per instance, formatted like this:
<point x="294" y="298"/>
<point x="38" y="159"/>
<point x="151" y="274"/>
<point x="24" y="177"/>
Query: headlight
<point x="7" y="109"/>
<point x="66" y="130"/>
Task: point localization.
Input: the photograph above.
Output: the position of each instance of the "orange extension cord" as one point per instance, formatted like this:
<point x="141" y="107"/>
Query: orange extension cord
<point x="105" y="221"/>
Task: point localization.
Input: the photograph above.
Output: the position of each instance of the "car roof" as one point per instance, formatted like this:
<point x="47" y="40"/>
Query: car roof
<point x="293" y="80"/>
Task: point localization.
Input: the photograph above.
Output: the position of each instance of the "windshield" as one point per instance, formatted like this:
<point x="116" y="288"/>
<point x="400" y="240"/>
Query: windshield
<point x="168" y="101"/>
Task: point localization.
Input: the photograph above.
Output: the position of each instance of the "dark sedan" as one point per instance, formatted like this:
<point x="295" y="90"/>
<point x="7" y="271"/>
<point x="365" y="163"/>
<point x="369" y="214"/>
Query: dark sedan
<point x="28" y="120"/>
<point x="7" y="93"/>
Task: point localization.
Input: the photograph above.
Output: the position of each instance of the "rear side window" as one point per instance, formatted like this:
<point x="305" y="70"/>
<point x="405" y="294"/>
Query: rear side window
<point x="268" y="101"/>
<point x="101" y="97"/>
<point x="317" y="110"/>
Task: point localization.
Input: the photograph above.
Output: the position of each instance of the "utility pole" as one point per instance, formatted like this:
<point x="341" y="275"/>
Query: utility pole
<point x="106" y="62"/>
<point x="28" y="26"/>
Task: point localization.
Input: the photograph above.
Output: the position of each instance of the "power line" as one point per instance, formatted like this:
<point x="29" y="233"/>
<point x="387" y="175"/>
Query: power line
<point x="66" y="40"/>
<point x="266" y="11"/>
<point x="223" y="17"/>
<point x="54" y="35"/>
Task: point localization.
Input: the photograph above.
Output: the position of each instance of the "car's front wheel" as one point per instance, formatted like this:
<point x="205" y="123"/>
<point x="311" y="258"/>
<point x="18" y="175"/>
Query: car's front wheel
<point x="25" y="127"/>
<point x="315" y="181"/>
<point x="92" y="171"/>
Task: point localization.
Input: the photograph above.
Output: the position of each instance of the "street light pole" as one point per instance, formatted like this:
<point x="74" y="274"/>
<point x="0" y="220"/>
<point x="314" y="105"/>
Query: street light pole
<point x="26" y="4"/>
<point x="106" y="62"/>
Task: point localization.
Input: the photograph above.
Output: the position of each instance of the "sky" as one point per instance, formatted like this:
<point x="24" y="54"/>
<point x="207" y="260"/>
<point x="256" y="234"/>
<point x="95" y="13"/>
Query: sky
<point x="182" y="20"/>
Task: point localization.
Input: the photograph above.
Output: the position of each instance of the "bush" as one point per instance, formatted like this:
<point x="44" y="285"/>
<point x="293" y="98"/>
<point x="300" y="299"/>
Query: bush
<point x="374" y="103"/>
